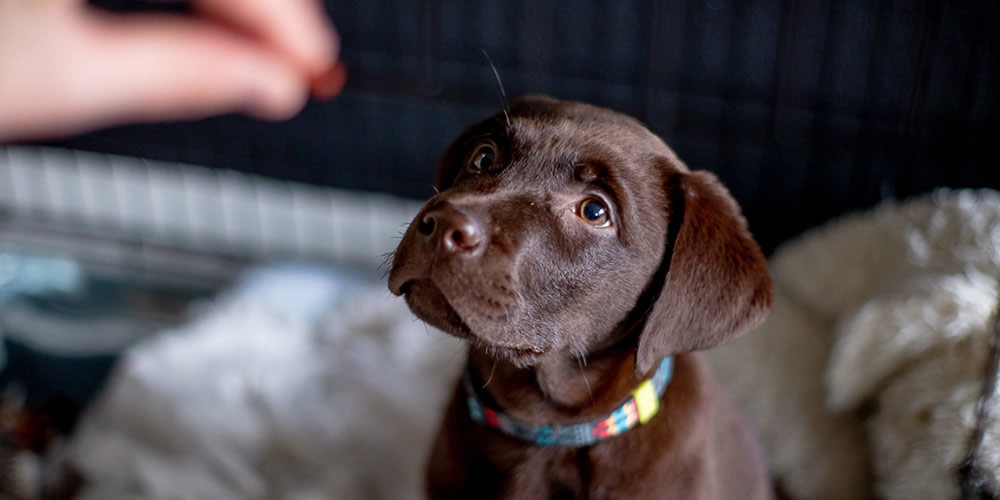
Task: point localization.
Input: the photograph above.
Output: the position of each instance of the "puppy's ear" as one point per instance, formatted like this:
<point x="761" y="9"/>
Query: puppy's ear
<point x="716" y="285"/>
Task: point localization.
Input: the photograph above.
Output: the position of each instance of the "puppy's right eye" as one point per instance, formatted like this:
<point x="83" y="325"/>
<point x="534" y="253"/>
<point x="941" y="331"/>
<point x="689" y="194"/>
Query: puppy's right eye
<point x="594" y="212"/>
<point x="483" y="158"/>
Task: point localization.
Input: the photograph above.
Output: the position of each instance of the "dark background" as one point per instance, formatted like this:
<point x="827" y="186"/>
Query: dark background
<point x="805" y="109"/>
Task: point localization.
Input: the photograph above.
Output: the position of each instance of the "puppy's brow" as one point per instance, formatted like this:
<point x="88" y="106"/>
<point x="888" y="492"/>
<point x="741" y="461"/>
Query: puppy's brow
<point x="589" y="171"/>
<point x="585" y="173"/>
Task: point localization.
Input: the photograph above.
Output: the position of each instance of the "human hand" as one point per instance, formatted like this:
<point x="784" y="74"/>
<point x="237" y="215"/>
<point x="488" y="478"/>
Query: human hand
<point x="66" y="67"/>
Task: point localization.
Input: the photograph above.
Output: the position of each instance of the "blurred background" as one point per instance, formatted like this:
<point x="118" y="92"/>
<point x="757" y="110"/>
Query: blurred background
<point x="805" y="110"/>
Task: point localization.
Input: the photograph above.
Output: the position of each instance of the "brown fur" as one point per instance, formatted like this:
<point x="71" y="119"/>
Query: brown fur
<point x="565" y="318"/>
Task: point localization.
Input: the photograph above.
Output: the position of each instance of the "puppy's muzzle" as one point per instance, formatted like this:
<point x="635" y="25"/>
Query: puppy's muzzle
<point x="450" y="231"/>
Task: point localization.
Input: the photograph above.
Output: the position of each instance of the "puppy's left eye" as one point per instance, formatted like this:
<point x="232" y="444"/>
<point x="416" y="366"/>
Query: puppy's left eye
<point x="483" y="158"/>
<point x="595" y="212"/>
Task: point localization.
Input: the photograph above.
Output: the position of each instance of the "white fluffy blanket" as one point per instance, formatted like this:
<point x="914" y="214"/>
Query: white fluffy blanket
<point x="864" y="381"/>
<point x="299" y="384"/>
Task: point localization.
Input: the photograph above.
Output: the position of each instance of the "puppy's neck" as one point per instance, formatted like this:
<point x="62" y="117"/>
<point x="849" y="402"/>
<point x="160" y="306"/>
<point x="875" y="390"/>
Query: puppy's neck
<point x="561" y="386"/>
<point x="566" y="381"/>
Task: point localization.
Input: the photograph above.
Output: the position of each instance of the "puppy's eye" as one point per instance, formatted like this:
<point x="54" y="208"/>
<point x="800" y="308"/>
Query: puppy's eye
<point x="483" y="158"/>
<point x="594" y="212"/>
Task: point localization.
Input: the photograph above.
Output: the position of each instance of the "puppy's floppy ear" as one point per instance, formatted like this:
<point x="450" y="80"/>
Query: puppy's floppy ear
<point x="716" y="285"/>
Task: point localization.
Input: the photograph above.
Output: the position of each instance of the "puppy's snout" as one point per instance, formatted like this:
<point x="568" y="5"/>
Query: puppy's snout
<point x="451" y="231"/>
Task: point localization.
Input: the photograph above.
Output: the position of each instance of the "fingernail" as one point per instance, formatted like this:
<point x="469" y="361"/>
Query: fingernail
<point x="328" y="84"/>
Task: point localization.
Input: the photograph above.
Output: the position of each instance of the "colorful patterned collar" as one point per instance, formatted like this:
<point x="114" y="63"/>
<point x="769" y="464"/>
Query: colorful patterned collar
<point x="638" y="409"/>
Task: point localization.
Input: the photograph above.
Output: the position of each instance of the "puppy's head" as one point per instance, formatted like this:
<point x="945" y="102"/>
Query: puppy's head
<point x="567" y="228"/>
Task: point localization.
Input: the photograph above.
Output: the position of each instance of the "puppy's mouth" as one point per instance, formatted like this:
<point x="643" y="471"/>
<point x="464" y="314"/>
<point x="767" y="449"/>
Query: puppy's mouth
<point x="429" y="304"/>
<point x="427" y="301"/>
<point x="519" y="356"/>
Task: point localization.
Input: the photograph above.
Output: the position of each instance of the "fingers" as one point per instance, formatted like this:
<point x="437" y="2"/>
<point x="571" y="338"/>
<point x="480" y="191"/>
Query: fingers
<point x="65" y="68"/>
<point x="105" y="70"/>
<point x="178" y="68"/>
<point x="299" y="29"/>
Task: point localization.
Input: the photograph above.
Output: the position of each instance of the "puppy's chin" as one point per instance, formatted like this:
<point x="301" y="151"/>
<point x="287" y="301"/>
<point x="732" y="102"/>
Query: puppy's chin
<point x="427" y="301"/>
<point x="522" y="358"/>
<point x="429" y="304"/>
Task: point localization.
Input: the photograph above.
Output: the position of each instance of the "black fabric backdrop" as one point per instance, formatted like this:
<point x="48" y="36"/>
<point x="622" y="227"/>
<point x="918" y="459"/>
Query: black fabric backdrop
<point x="805" y="109"/>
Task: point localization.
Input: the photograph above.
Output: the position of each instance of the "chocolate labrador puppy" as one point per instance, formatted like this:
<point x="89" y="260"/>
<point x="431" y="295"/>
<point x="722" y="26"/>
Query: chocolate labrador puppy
<point x="584" y="263"/>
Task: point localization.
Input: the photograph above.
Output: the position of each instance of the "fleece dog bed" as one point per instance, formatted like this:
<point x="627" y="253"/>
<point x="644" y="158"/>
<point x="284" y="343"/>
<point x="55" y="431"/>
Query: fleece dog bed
<point x="866" y="379"/>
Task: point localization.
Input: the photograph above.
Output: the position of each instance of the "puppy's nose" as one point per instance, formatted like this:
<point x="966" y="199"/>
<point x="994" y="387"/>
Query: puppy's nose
<point x="450" y="230"/>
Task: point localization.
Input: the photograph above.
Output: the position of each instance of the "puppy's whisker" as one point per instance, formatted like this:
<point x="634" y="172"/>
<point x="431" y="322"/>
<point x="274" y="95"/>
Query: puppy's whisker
<point x="387" y="258"/>
<point x="490" y="378"/>
<point x="385" y="267"/>
<point x="503" y="94"/>
<point x="585" y="381"/>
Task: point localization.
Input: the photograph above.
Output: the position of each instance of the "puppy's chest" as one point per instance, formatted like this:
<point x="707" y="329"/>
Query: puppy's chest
<point x="551" y="473"/>
<point x="566" y="473"/>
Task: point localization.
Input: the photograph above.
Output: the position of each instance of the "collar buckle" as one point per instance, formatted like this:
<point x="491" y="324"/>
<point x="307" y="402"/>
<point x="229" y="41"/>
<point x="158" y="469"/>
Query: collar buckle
<point x="647" y="401"/>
